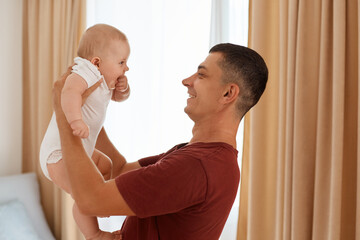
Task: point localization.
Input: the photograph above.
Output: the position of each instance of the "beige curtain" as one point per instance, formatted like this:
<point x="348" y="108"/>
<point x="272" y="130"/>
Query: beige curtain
<point x="301" y="169"/>
<point x="51" y="32"/>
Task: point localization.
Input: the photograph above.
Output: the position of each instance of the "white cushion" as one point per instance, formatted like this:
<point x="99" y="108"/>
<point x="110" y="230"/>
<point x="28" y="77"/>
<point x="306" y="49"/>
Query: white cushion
<point x="25" y="188"/>
<point x="15" y="223"/>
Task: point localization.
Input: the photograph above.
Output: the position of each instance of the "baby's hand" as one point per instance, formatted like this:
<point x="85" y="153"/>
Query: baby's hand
<point x="122" y="84"/>
<point x="122" y="90"/>
<point x="80" y="128"/>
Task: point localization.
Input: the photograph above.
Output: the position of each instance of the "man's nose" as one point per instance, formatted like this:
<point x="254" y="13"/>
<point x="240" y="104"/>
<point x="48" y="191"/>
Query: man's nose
<point x="188" y="81"/>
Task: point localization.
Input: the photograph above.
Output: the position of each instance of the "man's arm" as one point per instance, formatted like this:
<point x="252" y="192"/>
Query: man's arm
<point x="93" y="195"/>
<point x="120" y="165"/>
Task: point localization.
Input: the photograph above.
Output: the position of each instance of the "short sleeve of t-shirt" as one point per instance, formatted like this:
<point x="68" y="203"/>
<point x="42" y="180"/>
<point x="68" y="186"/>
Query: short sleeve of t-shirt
<point x="153" y="159"/>
<point x="149" y="160"/>
<point x="173" y="183"/>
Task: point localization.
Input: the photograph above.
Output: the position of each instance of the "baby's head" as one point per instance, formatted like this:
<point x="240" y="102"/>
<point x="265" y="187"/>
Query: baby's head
<point x="108" y="49"/>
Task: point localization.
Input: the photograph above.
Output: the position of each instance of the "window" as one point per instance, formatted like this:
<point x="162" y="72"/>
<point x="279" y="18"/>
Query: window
<point x="168" y="40"/>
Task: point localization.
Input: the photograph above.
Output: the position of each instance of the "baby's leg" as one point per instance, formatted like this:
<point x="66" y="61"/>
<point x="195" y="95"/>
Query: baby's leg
<point x="88" y="225"/>
<point x="103" y="163"/>
<point x="58" y="174"/>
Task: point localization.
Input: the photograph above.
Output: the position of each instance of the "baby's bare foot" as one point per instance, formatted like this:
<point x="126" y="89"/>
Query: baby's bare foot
<point x="106" y="236"/>
<point x="100" y="235"/>
<point x="117" y="235"/>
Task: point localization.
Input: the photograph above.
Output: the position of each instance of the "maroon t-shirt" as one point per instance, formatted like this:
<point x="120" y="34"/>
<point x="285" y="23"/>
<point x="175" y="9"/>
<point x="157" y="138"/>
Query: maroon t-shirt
<point x="185" y="193"/>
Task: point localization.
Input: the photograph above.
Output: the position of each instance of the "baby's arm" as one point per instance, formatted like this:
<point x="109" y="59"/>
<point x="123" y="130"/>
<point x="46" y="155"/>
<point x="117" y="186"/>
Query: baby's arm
<point x="71" y="102"/>
<point x="121" y="91"/>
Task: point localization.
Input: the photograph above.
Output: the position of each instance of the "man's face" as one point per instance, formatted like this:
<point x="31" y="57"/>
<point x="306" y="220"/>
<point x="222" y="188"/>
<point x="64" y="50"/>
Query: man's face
<point x="205" y="89"/>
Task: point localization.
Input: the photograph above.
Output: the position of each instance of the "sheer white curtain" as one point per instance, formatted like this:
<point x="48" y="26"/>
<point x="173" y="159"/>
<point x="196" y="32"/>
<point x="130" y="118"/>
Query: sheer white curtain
<point x="168" y="40"/>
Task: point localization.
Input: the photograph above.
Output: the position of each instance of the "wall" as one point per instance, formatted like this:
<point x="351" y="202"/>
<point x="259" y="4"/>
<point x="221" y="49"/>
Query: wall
<point x="11" y="87"/>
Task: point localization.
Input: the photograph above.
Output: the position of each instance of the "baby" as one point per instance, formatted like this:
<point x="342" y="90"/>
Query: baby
<point x="102" y="54"/>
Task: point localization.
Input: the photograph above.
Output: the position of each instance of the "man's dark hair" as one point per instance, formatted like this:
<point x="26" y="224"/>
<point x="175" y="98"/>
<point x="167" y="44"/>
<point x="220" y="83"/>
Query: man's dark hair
<point x="246" y="68"/>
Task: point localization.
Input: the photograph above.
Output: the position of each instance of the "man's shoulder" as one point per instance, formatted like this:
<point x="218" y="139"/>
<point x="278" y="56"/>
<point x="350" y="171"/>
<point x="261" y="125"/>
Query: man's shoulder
<point x="206" y="148"/>
<point x="200" y="154"/>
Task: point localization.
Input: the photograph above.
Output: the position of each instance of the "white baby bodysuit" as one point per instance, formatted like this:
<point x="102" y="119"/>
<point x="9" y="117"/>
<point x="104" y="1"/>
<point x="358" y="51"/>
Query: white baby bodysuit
<point x="93" y="113"/>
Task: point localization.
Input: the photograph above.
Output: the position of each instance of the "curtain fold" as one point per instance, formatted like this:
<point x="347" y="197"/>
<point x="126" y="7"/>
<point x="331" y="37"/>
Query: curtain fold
<point x="357" y="236"/>
<point x="51" y="32"/>
<point x="300" y="166"/>
<point x="357" y="226"/>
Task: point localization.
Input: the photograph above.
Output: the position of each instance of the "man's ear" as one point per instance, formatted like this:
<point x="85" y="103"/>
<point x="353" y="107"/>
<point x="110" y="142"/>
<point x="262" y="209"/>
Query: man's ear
<point x="96" y="61"/>
<point x="231" y="93"/>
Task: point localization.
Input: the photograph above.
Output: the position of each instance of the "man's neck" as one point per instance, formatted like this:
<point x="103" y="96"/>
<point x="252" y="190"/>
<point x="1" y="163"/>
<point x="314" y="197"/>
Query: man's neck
<point x="215" y="130"/>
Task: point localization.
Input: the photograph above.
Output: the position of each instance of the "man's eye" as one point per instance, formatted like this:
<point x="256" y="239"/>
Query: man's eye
<point x="200" y="75"/>
<point x="122" y="62"/>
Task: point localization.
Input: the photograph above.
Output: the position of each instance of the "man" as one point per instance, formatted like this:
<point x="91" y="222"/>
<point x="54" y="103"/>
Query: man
<point x="187" y="192"/>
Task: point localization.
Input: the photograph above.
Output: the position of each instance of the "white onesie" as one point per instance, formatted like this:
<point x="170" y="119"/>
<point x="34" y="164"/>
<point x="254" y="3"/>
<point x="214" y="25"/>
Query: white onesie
<point x="93" y="114"/>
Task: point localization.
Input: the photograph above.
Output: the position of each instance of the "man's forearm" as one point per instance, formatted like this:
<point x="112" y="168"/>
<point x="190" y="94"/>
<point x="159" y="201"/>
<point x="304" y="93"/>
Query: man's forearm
<point x="104" y="144"/>
<point x="83" y="174"/>
<point x="92" y="194"/>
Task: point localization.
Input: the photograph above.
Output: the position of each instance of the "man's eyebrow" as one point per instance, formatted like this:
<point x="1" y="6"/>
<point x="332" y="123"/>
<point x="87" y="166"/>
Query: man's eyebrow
<point x="202" y="67"/>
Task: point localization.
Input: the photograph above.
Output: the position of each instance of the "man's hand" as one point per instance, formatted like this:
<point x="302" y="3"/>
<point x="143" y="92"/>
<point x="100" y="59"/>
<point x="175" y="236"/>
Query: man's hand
<point x="57" y="88"/>
<point x="89" y="91"/>
<point x="59" y="85"/>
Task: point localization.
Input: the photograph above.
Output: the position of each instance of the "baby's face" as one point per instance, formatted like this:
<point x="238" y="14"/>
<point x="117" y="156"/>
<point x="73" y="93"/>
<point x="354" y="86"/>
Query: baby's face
<point x="114" y="65"/>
